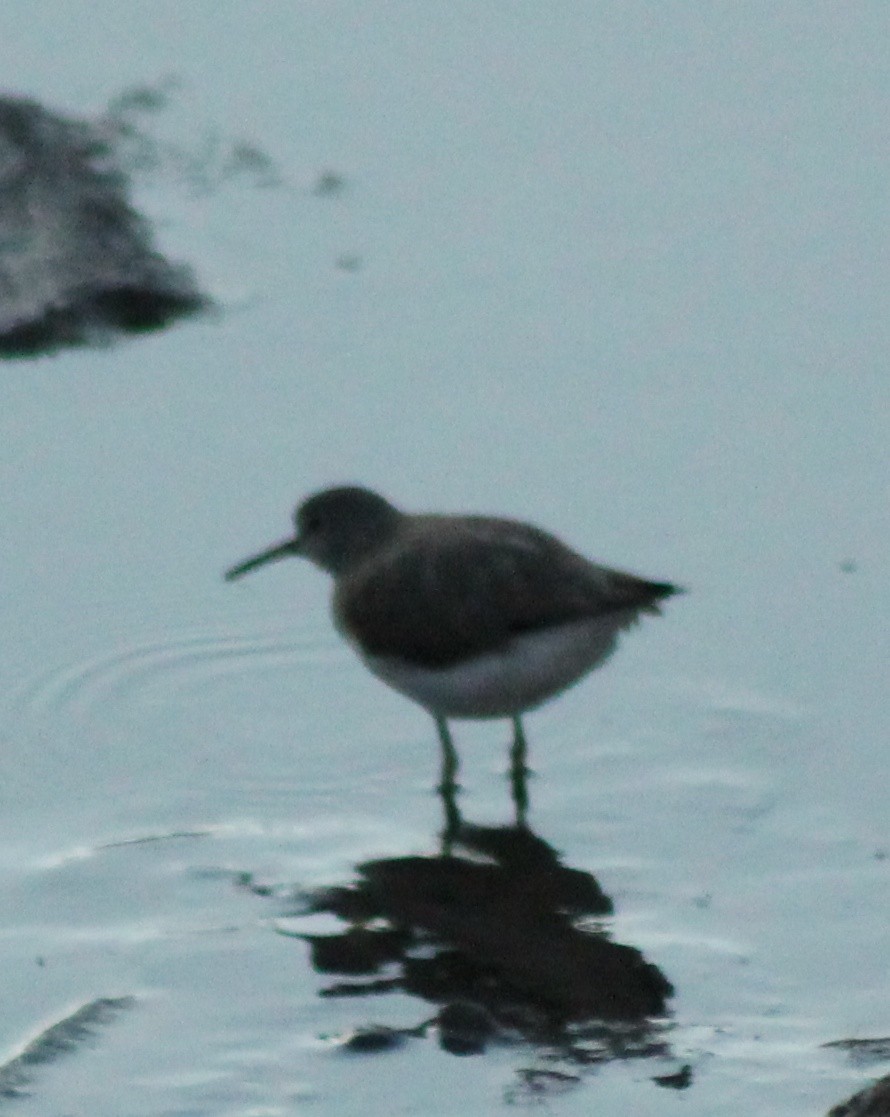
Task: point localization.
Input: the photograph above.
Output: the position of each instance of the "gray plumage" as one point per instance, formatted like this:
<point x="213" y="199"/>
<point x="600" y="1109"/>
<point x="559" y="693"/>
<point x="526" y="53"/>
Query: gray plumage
<point x="451" y="587"/>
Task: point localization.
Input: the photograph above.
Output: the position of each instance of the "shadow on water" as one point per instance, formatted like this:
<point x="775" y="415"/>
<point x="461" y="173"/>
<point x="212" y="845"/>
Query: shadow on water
<point x="508" y="943"/>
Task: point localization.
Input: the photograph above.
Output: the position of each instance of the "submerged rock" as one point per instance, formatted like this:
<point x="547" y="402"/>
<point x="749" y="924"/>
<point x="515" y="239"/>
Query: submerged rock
<point x="873" y="1102"/>
<point x="77" y="265"/>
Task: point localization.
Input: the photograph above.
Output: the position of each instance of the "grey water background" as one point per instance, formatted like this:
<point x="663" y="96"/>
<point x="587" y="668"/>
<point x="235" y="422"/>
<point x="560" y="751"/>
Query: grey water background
<point x="621" y="270"/>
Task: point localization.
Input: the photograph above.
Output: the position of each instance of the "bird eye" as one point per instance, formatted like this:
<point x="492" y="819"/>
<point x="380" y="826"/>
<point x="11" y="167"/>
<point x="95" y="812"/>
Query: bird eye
<point x="312" y="522"/>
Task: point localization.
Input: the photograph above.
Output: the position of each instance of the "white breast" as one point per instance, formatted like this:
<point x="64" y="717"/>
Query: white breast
<point x="526" y="672"/>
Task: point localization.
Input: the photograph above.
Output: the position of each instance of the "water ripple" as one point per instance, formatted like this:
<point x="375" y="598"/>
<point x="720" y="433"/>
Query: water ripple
<point x="60" y="1038"/>
<point x="187" y="662"/>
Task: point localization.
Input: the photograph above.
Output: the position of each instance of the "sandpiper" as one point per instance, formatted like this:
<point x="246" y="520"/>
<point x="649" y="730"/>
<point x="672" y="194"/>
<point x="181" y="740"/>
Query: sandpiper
<point x="470" y="616"/>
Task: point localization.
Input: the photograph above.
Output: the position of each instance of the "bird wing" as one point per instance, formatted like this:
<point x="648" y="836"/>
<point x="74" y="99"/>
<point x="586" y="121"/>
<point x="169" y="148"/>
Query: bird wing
<point x="463" y="586"/>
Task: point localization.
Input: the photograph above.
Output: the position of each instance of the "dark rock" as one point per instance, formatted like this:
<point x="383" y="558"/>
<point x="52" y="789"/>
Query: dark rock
<point x="77" y="264"/>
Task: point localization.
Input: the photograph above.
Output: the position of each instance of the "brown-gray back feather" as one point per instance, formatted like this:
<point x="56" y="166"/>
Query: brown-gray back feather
<point x="467" y="585"/>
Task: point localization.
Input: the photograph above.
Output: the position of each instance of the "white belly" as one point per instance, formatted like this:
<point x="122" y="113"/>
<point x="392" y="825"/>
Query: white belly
<point x="528" y="671"/>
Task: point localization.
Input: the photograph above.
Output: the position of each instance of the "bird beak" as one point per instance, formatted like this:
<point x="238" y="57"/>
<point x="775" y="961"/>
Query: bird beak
<point x="281" y="550"/>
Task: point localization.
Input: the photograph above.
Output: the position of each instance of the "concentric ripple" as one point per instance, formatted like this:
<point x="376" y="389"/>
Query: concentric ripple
<point x="183" y="663"/>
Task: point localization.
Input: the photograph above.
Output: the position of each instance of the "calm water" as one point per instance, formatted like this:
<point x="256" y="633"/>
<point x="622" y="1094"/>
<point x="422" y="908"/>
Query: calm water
<point x="622" y="273"/>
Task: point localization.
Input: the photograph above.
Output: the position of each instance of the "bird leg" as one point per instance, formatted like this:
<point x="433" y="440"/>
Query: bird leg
<point x="448" y="786"/>
<point x="519" y="771"/>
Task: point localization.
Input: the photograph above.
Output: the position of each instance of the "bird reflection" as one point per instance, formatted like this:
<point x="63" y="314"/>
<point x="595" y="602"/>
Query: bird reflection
<point x="504" y="939"/>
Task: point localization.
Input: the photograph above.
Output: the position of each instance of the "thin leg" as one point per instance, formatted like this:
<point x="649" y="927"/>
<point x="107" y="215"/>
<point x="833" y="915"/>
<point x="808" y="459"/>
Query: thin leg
<point x="448" y="786"/>
<point x="449" y="755"/>
<point x="519" y="772"/>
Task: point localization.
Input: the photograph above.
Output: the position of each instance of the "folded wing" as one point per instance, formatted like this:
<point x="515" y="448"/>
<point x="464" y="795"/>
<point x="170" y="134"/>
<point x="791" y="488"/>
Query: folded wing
<point x="473" y="584"/>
